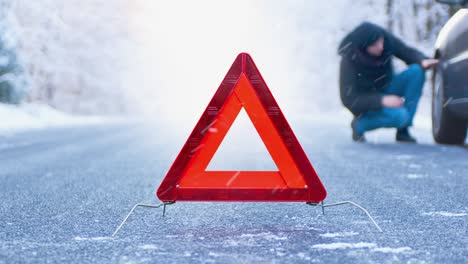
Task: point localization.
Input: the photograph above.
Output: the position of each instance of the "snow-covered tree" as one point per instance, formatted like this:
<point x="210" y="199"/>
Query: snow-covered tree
<point x="72" y="51"/>
<point x="12" y="82"/>
<point x="418" y="20"/>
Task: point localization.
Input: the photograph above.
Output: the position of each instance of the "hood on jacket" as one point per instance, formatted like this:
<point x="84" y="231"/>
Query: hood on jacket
<point x="360" y="38"/>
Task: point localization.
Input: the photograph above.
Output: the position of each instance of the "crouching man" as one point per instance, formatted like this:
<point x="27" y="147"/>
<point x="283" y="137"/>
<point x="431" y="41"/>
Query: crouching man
<point x="368" y="86"/>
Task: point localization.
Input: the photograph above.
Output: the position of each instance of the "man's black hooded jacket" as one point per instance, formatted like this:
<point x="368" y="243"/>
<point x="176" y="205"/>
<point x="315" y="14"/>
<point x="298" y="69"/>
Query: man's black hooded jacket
<point x="364" y="77"/>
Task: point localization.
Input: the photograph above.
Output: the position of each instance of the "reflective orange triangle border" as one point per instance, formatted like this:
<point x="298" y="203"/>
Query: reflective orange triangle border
<point x="243" y="87"/>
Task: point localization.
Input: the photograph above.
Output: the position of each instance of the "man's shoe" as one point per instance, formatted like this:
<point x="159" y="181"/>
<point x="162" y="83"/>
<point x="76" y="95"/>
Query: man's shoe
<point x="403" y="135"/>
<point x="358" y="137"/>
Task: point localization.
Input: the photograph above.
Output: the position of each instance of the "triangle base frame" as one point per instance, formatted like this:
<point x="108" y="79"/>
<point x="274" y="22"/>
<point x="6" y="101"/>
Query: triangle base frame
<point x="321" y="204"/>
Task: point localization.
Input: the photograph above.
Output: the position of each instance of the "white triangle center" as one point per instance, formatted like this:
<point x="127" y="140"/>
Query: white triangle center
<point x="242" y="149"/>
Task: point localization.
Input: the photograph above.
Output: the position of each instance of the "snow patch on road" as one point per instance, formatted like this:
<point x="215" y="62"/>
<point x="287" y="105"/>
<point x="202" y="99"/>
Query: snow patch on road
<point x="344" y="245"/>
<point x="343" y="234"/>
<point x="148" y="247"/>
<point x="404" y="157"/>
<point x="91" y="238"/>
<point x="214" y="254"/>
<point x="414" y="166"/>
<point x="415" y="176"/>
<point x="362" y="245"/>
<point x="265" y="235"/>
<point x="442" y="213"/>
<point x="392" y="250"/>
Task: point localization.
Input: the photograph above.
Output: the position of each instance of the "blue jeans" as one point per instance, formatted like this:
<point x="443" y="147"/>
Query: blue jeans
<point x="407" y="84"/>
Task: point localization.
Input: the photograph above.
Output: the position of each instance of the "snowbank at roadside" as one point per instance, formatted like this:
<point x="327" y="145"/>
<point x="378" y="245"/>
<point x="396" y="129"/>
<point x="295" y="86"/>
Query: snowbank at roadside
<point x="37" y="116"/>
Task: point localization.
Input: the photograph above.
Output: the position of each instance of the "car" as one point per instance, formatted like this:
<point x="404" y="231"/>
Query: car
<point x="450" y="79"/>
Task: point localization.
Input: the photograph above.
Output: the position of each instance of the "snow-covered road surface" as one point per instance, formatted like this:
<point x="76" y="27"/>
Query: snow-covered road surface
<point x="63" y="191"/>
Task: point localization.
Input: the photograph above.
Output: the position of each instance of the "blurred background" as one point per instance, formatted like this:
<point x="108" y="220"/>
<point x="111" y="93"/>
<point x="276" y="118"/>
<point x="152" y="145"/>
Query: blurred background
<point x="164" y="60"/>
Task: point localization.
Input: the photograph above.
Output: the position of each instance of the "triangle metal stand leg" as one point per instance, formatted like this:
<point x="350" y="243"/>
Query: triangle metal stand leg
<point x="322" y="205"/>
<point x="142" y="205"/>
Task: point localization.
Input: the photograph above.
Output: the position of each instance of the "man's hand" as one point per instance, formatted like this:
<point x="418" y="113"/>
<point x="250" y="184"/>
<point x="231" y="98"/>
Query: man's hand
<point x="429" y="63"/>
<point x="392" y="101"/>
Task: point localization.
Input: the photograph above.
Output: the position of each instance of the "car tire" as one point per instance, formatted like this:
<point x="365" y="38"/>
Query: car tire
<point x="446" y="129"/>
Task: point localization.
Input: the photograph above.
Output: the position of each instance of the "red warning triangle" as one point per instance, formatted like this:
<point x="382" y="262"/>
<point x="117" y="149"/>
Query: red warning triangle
<point x="188" y="180"/>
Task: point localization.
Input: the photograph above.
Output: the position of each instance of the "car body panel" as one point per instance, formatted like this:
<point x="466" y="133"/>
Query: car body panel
<point x="459" y="107"/>
<point x="452" y="51"/>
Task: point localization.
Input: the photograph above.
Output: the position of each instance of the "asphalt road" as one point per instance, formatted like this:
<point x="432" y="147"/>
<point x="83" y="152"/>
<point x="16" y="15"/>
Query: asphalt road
<point x="63" y="191"/>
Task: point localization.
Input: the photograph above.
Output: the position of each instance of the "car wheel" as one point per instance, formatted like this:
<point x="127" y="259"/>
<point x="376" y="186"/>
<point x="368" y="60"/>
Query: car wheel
<point x="446" y="129"/>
